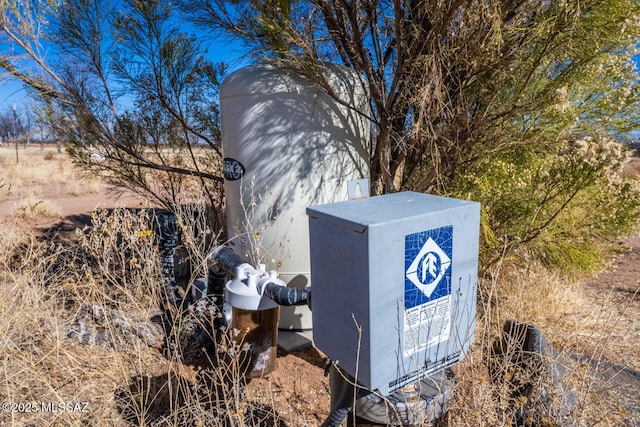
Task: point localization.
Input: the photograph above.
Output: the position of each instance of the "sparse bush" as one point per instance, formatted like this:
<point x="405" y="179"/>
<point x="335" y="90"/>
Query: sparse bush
<point x="105" y="282"/>
<point x="32" y="207"/>
<point x="558" y="204"/>
<point x="489" y="388"/>
<point x="121" y="259"/>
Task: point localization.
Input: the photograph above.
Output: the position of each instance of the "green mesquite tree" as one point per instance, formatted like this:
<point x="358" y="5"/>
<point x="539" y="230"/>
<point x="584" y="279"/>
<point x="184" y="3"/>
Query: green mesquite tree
<point x="483" y="100"/>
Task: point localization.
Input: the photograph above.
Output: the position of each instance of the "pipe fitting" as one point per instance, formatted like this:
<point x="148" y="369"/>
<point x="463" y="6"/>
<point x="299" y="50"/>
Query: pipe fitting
<point x="251" y="286"/>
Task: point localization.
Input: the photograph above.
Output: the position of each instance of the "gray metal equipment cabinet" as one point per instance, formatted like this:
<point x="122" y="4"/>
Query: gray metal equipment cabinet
<point x="394" y="285"/>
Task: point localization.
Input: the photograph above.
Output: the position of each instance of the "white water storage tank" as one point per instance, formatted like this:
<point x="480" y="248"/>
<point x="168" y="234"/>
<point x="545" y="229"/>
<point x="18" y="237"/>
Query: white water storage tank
<point x="288" y="145"/>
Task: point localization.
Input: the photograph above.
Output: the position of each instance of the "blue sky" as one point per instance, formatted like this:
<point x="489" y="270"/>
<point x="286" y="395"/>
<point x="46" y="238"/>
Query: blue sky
<point x="11" y="91"/>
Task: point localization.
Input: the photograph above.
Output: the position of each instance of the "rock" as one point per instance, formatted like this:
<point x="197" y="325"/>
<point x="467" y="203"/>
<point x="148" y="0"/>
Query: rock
<point x="114" y="329"/>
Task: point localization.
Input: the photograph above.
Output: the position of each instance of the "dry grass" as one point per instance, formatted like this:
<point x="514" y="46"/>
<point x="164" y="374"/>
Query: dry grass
<point x="483" y="397"/>
<point x="34" y="206"/>
<point x="40" y="364"/>
<point x="44" y="285"/>
<point x="119" y="379"/>
<point x="578" y="332"/>
<point x="41" y="167"/>
<point x="122" y="381"/>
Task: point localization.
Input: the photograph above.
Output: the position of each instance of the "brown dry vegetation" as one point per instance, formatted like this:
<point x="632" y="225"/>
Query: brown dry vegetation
<point x="45" y="281"/>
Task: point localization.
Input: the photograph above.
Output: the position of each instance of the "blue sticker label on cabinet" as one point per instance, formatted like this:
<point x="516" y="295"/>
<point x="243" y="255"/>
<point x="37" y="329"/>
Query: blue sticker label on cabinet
<point x="427" y="261"/>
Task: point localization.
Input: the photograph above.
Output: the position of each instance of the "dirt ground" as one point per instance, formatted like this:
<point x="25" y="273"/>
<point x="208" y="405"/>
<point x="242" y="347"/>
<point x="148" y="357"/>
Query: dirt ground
<point x="614" y="295"/>
<point x="298" y="389"/>
<point x="612" y="299"/>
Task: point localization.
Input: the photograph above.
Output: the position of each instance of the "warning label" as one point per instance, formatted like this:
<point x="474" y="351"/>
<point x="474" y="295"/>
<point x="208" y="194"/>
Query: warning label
<point x="428" y="257"/>
<point x="427" y="325"/>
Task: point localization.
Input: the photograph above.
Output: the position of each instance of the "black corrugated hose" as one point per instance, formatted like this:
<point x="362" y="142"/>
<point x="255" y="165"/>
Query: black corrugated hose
<point x="228" y="260"/>
<point x="283" y="295"/>
<point x="168" y="234"/>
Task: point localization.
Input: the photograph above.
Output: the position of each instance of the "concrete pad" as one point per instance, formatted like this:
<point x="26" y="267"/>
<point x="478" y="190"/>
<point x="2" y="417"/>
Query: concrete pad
<point x="291" y="341"/>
